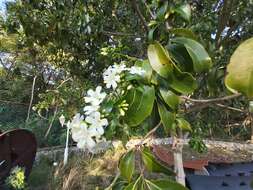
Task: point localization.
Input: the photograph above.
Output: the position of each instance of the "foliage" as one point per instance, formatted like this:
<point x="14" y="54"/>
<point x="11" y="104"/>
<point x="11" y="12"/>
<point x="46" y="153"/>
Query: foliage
<point x="68" y="44"/>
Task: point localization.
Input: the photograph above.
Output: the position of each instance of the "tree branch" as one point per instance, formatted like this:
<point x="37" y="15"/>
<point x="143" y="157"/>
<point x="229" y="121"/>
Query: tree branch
<point x="138" y="11"/>
<point x="223" y="19"/>
<point x="214" y="100"/>
<point x="201" y="104"/>
<point x="231" y="108"/>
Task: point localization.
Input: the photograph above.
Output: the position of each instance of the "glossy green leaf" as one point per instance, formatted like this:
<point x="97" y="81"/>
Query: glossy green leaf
<point x="145" y="65"/>
<point x="152" y="165"/>
<point x="181" y="57"/>
<point x="240" y="69"/>
<point x="159" y="59"/>
<point x="183" y="124"/>
<point x="127" y="165"/>
<point x="164" y="184"/>
<point x="140" y="101"/>
<point x="151" y="33"/>
<point x="167" y="117"/>
<point x="183" y="82"/>
<point x="184" y="11"/>
<point x="200" y="58"/>
<point x="170" y="98"/>
<point x="184" y="33"/>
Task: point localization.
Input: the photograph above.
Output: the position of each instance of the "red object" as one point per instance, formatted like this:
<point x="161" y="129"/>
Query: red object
<point x="167" y="157"/>
<point x="17" y="148"/>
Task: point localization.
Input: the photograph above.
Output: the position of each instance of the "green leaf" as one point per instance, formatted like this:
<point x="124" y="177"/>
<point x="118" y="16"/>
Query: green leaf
<point x="170" y="98"/>
<point x="181" y="56"/>
<point x="159" y="59"/>
<point x="200" y="58"/>
<point x="145" y="65"/>
<point x="127" y="165"/>
<point x="161" y="11"/>
<point x="140" y="101"/>
<point x="152" y="164"/>
<point x="184" y="32"/>
<point x="164" y="184"/>
<point x="135" y="184"/>
<point x="151" y="33"/>
<point x="183" y="124"/>
<point x="167" y="118"/>
<point x="183" y="82"/>
<point x="240" y="69"/>
<point x="184" y="11"/>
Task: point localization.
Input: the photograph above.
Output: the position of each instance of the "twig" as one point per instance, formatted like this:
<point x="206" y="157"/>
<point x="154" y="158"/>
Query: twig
<point x="51" y="123"/>
<point x="149" y="133"/>
<point x="149" y="10"/>
<point x="63" y="82"/>
<point x="214" y="100"/>
<point x="113" y="182"/>
<point x="31" y="100"/>
<point x="231" y="108"/>
<point x="137" y="9"/>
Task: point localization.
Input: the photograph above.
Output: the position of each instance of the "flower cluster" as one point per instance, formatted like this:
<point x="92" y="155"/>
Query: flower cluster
<point x="87" y="129"/>
<point x="112" y="74"/>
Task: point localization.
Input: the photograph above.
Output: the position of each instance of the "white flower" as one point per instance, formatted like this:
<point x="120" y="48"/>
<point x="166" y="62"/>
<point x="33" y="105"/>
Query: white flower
<point x="95" y="97"/>
<point x="96" y="123"/>
<point x="83" y="136"/>
<point x="111" y="77"/>
<point x="136" y="70"/>
<point x="76" y="121"/>
<point x="90" y="109"/>
<point x="119" y="68"/>
<point x="62" y="120"/>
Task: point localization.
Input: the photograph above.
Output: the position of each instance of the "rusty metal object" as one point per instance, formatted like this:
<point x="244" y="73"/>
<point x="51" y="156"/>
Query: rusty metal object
<point x="17" y="148"/>
<point x="167" y="157"/>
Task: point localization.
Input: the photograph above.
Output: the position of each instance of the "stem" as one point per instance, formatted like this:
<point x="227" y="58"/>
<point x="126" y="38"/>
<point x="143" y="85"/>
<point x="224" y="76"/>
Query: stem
<point x="113" y="182"/>
<point x="31" y="100"/>
<point x="65" y="161"/>
<point x="150" y="133"/>
<point x="178" y="161"/>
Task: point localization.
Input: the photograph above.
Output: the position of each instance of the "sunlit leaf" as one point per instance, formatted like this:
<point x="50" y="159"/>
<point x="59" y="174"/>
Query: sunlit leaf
<point x="159" y="59"/>
<point x="184" y="11"/>
<point x="170" y="98"/>
<point x="240" y="69"/>
<point x="184" y="32"/>
<point x="183" y="124"/>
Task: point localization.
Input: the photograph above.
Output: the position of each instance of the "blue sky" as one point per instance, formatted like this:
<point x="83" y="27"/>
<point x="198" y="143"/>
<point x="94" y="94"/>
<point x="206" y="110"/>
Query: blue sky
<point x="2" y="4"/>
